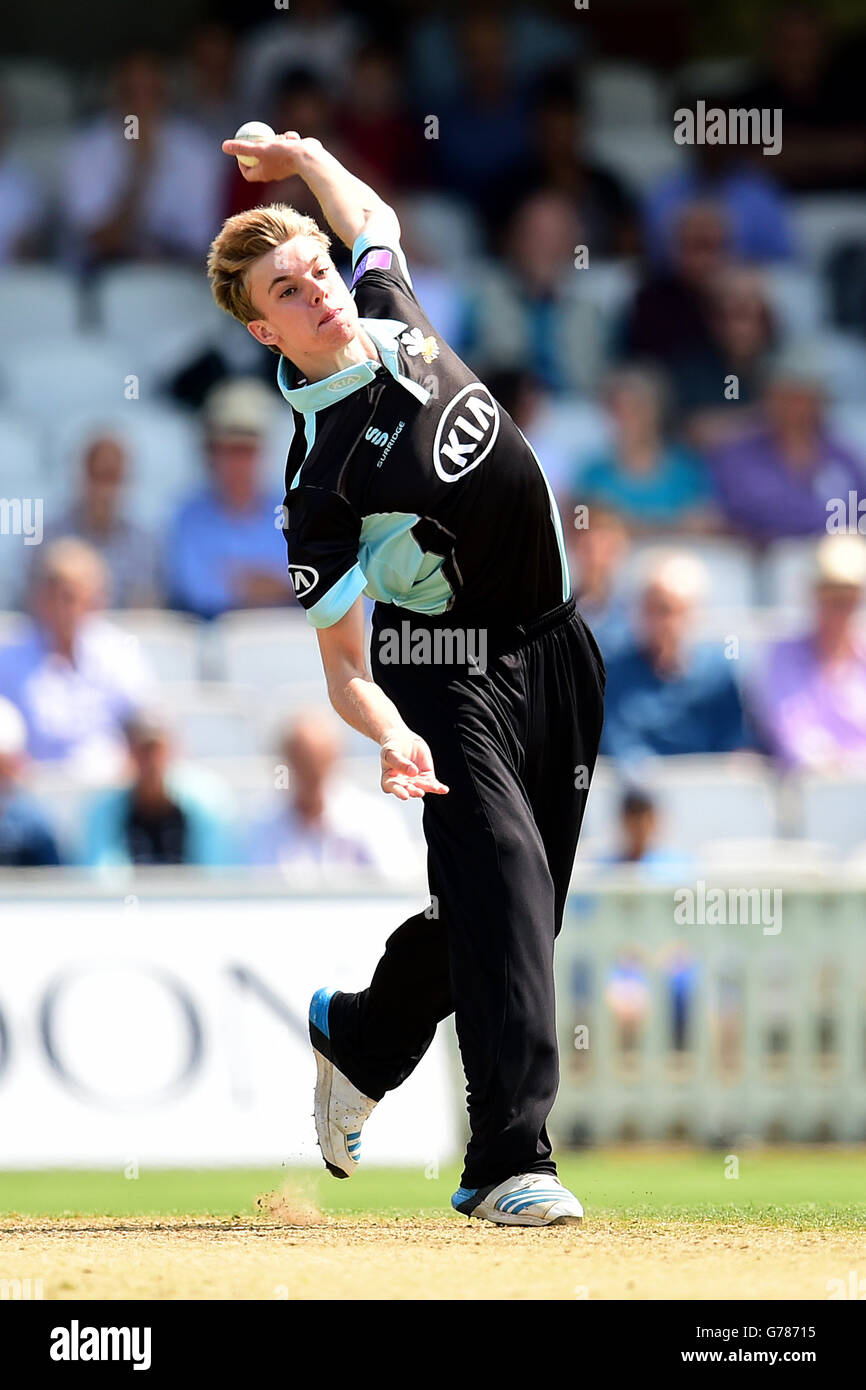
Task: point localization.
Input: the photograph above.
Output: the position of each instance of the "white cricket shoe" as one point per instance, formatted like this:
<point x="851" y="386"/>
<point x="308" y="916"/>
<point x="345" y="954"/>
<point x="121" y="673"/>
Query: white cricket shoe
<point x="340" y="1108"/>
<point x="530" y="1199"/>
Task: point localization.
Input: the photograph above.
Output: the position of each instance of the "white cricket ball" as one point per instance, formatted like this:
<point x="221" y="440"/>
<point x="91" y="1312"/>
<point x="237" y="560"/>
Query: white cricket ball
<point x="253" y="130"/>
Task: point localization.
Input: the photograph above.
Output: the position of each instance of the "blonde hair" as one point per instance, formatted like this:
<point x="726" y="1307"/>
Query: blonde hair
<point x="242" y="241"/>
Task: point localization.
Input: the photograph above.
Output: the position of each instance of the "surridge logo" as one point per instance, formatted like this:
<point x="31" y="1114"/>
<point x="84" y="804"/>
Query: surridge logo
<point x="304" y="578"/>
<point x="467" y="431"/>
<point x="377" y="437"/>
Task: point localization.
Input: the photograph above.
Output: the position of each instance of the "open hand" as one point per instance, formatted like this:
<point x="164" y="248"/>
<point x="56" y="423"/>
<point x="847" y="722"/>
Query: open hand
<point x="407" y="767"/>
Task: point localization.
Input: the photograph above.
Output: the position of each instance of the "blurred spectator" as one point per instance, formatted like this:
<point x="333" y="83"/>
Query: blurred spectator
<point x="820" y="95"/>
<point x="652" y="481"/>
<point x="778" y="479"/>
<point x="169" y="813"/>
<point x="627" y="995"/>
<point x="810" y="702"/>
<point x="558" y="161"/>
<point x="145" y="190"/>
<point x="744" y="335"/>
<point x="318" y="33"/>
<point x="755" y="210"/>
<point x="482" y="132"/>
<point x="527" y="310"/>
<point x="669" y="317"/>
<point x="209" y="89"/>
<point x="639" y="838"/>
<point x="73" y="676"/>
<point x="225" y="545"/>
<point x="325" y="823"/>
<point x="597" y="553"/>
<point x="26" y="838"/>
<point x="96" y="516"/>
<point x="665" y="695"/>
<point x="534" y="39"/>
<point x="374" y="125"/>
<point x="22" y="201"/>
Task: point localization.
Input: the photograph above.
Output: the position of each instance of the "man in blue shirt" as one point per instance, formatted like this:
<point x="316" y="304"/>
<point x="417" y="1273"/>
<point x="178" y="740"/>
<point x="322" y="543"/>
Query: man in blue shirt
<point x="663" y="695"/>
<point x="225" y="549"/>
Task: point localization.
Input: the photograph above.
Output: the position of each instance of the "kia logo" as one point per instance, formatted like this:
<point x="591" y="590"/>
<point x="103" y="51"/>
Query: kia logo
<point x="304" y="578"/>
<point x="467" y="432"/>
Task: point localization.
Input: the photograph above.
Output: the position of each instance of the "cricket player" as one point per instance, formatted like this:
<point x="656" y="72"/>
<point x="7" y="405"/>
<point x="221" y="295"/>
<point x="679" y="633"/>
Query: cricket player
<point x="408" y="482"/>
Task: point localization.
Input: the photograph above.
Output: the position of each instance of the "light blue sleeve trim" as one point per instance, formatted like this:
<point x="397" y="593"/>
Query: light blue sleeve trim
<point x="368" y="239"/>
<point x="335" y="604"/>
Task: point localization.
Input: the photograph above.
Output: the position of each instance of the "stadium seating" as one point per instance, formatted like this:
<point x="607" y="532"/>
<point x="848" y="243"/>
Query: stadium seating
<point x="268" y="648"/>
<point x="699" y="798"/>
<point x="833" y="808"/>
<point x="443" y="229"/>
<point x="38" y="301"/>
<point x="165" y="313"/>
<point x="171" y="643"/>
<point x="785" y="574"/>
<point x="827" y="220"/>
<point x="623" y="95"/>
<point x="797" y="297"/>
<point x="640" y="157"/>
<point x="214" y="720"/>
<point x="83" y="370"/>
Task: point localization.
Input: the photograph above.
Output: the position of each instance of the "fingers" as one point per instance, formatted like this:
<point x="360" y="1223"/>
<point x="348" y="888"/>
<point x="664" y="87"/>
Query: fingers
<point x="405" y="788"/>
<point x="396" y="762"/>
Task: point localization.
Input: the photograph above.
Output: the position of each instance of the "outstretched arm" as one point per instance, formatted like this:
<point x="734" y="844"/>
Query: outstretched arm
<point x="350" y="205"/>
<point x="407" y="764"/>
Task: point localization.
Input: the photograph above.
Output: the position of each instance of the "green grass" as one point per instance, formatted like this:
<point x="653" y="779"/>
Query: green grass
<point x="797" y="1188"/>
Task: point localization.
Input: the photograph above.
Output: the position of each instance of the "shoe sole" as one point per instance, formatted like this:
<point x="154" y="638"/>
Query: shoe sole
<point x="505" y="1220"/>
<point x="322" y="1099"/>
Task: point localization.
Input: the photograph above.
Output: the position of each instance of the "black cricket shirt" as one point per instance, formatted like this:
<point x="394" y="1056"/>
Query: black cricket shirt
<point x="408" y="482"/>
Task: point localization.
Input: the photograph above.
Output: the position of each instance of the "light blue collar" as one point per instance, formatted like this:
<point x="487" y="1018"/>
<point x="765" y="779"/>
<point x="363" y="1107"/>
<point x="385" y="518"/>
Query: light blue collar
<point x="320" y="394"/>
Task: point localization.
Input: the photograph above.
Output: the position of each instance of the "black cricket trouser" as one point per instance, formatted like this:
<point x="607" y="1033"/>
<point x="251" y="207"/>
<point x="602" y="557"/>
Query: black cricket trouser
<point x="516" y="744"/>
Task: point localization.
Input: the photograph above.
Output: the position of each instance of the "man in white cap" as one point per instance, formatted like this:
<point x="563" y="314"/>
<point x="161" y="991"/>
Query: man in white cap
<point x="225" y="547"/>
<point x="26" y="838"/>
<point x="810" y="700"/>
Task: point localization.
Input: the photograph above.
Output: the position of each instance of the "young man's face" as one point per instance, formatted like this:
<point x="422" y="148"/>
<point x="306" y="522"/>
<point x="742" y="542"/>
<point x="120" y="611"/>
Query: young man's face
<point x="305" y="305"/>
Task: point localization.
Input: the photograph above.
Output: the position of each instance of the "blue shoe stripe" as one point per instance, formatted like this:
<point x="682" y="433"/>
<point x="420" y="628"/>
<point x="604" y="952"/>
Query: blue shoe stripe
<point x="519" y="1201"/>
<point x="521" y="1206"/>
<point x="356" y="1134"/>
<point x="319" y="1005"/>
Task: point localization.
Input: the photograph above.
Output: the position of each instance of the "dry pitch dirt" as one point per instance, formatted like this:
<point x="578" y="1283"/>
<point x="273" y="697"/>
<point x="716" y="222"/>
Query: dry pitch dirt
<point x="297" y="1253"/>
